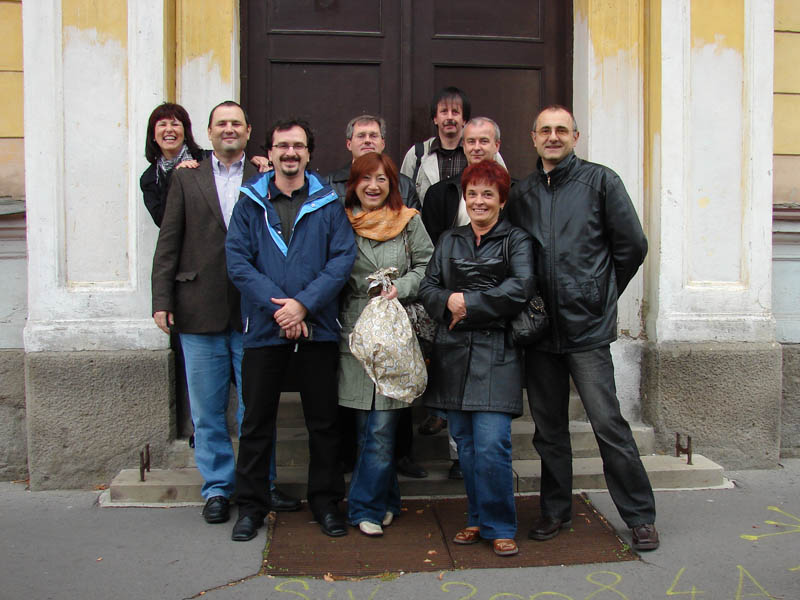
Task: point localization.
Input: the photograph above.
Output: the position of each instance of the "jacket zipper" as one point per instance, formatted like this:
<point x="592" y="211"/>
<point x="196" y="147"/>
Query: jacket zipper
<point x="552" y="267"/>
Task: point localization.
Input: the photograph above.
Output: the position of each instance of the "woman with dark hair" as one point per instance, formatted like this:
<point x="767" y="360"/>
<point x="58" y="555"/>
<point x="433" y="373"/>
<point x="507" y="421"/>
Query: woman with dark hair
<point x="480" y="276"/>
<point x="388" y="234"/>
<point x="169" y="143"/>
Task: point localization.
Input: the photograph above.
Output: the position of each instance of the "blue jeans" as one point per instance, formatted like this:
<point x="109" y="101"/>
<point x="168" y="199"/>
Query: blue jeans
<point x="374" y="490"/>
<point x="209" y="359"/>
<point x="484" y="449"/>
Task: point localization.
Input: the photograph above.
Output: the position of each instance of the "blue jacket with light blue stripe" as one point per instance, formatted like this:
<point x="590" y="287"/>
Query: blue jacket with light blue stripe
<point x="312" y="269"/>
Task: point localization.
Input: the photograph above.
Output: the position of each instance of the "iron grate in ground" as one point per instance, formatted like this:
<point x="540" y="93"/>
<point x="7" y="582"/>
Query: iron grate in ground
<point x="420" y="539"/>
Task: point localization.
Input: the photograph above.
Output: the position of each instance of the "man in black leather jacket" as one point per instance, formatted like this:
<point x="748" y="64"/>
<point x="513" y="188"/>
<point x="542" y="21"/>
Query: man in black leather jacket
<point x="588" y="245"/>
<point x="367" y="133"/>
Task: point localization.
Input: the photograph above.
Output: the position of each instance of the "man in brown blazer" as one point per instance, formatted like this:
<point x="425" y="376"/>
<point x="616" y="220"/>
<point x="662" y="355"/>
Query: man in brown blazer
<point x="192" y="292"/>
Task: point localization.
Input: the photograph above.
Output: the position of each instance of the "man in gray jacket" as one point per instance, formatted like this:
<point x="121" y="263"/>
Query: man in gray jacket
<point x="588" y="245"/>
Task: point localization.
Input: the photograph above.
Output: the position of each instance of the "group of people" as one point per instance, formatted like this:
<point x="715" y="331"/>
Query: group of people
<point x="265" y="272"/>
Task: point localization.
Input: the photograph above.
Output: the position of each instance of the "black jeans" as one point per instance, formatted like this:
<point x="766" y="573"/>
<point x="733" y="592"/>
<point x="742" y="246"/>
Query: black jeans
<point x="548" y="395"/>
<point x="263" y="371"/>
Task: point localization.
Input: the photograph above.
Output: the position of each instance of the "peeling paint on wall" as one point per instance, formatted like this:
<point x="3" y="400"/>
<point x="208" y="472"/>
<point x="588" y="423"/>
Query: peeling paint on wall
<point x="205" y="30"/>
<point x="719" y="23"/>
<point x="108" y="18"/>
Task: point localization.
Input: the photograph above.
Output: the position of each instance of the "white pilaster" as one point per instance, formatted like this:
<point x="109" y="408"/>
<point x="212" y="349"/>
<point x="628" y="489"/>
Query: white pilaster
<point x="711" y="269"/>
<point x="90" y="239"/>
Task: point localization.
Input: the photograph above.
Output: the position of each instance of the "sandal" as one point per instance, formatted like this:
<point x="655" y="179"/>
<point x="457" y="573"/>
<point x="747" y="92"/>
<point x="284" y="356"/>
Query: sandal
<point x="468" y="535"/>
<point x="505" y="547"/>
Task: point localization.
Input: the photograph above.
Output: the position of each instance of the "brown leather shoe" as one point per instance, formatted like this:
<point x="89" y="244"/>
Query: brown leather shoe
<point x="645" y="537"/>
<point x="547" y="528"/>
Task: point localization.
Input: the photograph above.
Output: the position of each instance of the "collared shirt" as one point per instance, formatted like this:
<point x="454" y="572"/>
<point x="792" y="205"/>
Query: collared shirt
<point x="228" y="181"/>
<point x="451" y="162"/>
<point x="287" y="207"/>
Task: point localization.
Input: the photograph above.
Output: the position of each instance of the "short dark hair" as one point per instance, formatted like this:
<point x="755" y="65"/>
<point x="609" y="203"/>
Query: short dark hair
<point x="348" y="132"/>
<point x="228" y="103"/>
<point x="556" y="107"/>
<point x="367" y="164"/>
<point x="287" y="124"/>
<point x="489" y="172"/>
<point x="451" y="93"/>
<point x="168" y="110"/>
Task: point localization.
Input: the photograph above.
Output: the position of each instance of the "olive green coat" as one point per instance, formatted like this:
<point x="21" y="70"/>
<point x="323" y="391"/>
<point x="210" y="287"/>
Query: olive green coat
<point x="356" y="389"/>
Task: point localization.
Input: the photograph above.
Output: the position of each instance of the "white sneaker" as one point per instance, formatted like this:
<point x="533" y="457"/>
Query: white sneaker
<point x="388" y="518"/>
<point x="370" y="529"/>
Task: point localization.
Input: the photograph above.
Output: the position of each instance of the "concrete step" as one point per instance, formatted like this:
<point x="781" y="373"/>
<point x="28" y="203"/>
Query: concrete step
<point x="292" y="448"/>
<point x="171" y="486"/>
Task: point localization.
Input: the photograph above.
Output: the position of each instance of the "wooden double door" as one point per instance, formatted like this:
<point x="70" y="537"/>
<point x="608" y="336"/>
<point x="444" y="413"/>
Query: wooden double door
<point x="330" y="60"/>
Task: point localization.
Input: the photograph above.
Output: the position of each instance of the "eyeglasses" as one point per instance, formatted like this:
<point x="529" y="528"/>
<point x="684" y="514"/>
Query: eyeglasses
<point x="560" y="132"/>
<point x="283" y="146"/>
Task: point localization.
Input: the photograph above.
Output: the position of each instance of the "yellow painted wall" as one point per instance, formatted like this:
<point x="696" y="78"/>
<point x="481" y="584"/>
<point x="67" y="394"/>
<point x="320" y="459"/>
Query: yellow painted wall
<point x="12" y="160"/>
<point x="786" y="174"/>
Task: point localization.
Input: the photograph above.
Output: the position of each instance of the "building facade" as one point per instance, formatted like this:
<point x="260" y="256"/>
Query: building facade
<point x="677" y="97"/>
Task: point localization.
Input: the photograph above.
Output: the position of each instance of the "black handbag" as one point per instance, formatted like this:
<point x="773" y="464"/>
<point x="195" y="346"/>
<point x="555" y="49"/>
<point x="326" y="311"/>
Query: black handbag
<point x="530" y="325"/>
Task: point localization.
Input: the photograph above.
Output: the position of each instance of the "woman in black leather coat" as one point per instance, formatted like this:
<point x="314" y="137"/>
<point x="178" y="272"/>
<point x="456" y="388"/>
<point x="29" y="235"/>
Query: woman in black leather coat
<point x="480" y="276"/>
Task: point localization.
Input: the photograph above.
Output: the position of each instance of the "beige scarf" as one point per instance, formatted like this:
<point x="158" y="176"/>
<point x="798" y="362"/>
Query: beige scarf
<point x="381" y="224"/>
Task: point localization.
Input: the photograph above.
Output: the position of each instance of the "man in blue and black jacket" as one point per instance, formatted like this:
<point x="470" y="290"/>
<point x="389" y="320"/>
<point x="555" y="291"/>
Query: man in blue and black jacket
<point x="290" y="249"/>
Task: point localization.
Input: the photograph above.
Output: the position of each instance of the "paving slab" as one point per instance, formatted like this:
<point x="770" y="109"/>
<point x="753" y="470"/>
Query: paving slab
<point x="730" y="544"/>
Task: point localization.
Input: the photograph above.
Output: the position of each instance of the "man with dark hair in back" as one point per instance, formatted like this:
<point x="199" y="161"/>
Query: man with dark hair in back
<point x="440" y="157"/>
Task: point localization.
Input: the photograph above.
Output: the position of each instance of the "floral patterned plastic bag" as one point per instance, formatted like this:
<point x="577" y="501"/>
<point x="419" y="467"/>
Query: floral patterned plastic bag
<point x="384" y="342"/>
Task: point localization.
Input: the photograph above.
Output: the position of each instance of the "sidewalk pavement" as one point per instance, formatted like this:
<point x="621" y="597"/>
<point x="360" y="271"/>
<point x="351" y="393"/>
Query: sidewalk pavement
<point x="726" y="544"/>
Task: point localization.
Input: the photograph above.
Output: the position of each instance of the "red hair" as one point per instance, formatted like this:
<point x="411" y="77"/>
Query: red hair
<point x="367" y="165"/>
<point x="490" y="173"/>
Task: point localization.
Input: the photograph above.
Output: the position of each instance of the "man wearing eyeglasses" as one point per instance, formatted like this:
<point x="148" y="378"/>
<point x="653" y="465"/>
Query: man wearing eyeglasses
<point x="364" y="134"/>
<point x="290" y="249"/>
<point x="589" y="244"/>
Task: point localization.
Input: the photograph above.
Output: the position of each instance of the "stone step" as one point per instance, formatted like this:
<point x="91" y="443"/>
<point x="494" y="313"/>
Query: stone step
<point x="172" y="486"/>
<point x="292" y="448"/>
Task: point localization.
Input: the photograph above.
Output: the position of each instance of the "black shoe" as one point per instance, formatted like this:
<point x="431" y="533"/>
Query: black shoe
<point x="332" y="524"/>
<point x="246" y="528"/>
<point x="432" y="425"/>
<point x="280" y="502"/>
<point x="546" y="528"/>
<point x="407" y="467"/>
<point x="455" y="471"/>
<point x="216" y="510"/>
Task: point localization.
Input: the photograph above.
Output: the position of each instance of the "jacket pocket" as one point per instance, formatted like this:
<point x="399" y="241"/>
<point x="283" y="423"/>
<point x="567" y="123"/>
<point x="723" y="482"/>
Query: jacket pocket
<point x="186" y="276"/>
<point x="582" y="298"/>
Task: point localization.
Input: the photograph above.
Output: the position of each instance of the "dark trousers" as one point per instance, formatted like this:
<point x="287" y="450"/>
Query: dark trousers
<point x="263" y="371"/>
<point x="548" y="395"/>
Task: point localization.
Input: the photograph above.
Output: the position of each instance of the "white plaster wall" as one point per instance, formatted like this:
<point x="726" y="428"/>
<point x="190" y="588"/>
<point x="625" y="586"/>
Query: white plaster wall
<point x="786" y="281"/>
<point x="201" y="86"/>
<point x="713" y="278"/>
<point x="13" y="274"/>
<point x="95" y="157"/>
<point x="607" y="102"/>
<point x="89" y="291"/>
